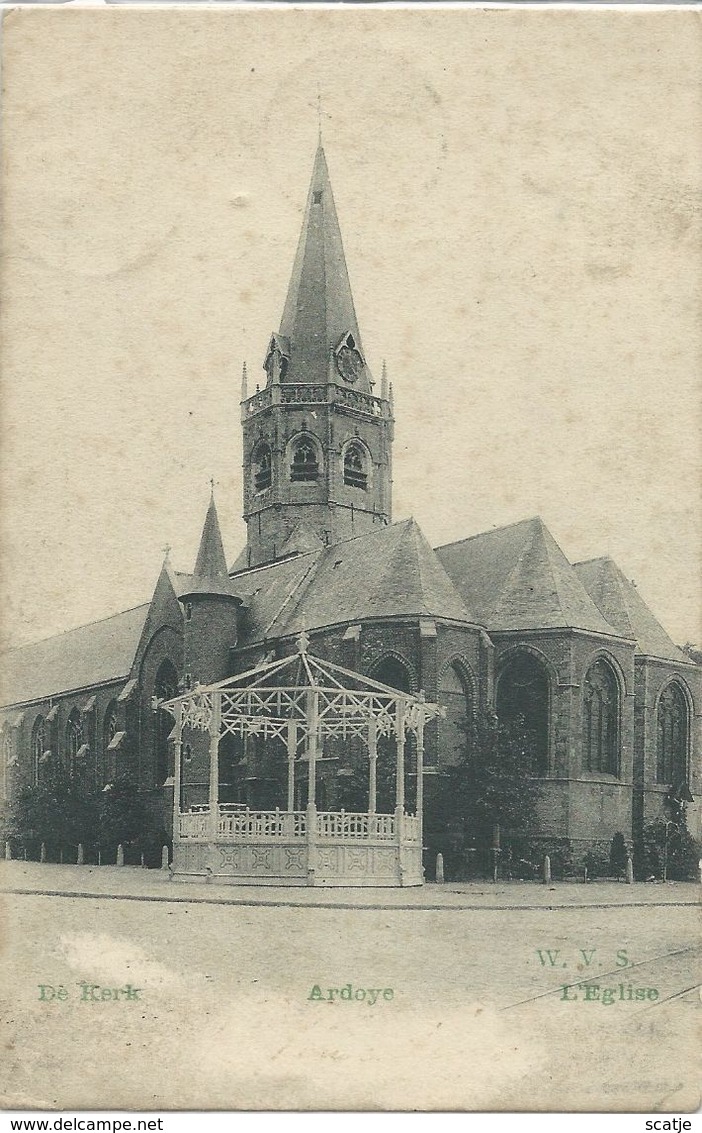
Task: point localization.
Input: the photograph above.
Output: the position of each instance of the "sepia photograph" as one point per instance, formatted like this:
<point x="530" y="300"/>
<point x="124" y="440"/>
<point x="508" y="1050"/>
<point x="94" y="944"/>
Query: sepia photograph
<point x="351" y="683"/>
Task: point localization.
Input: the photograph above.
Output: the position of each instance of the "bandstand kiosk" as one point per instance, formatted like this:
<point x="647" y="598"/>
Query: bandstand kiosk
<point x="230" y="844"/>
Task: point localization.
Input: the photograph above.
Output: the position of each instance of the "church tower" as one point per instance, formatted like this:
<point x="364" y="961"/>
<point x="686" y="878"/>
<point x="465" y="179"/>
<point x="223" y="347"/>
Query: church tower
<point x="317" y="439"/>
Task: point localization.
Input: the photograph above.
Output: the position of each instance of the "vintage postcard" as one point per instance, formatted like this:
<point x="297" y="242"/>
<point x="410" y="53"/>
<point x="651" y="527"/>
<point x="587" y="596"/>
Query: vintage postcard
<point x="351" y="691"/>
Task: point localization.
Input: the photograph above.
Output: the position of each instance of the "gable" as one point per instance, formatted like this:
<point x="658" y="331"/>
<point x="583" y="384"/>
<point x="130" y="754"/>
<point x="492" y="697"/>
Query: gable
<point x="517" y="578"/>
<point x="623" y="606"/>
<point x="389" y="572"/>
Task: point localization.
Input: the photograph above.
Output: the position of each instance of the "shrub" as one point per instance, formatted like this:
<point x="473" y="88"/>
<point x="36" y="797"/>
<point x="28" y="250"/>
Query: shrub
<point x="668" y="847"/>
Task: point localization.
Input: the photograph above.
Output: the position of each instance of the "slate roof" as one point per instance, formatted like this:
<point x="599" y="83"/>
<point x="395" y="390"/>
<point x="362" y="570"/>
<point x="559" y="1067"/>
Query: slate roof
<point x="267" y="591"/>
<point x="623" y="606"/>
<point x="210" y="575"/>
<point x="92" y="654"/>
<point x="390" y="572"/>
<point x="517" y="578"/>
<point x="319" y="308"/>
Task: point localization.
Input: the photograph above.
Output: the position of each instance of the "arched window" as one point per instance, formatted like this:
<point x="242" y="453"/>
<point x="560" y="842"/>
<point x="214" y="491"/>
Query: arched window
<point x="39" y="746"/>
<point x="392" y="671"/>
<point x="522" y="699"/>
<point x="5" y="761"/>
<point x="601" y="719"/>
<point x="109" y="731"/>
<point x="304" y="465"/>
<point x="74" y="740"/>
<point x="355" y="474"/>
<point x="671" y="761"/>
<point x="262" y="468"/>
<point x="457" y="700"/>
<point x="165" y="687"/>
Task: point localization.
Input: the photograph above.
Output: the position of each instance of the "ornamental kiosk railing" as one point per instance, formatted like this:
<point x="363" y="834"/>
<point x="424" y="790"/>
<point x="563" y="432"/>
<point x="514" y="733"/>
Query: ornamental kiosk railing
<point x="231" y="843"/>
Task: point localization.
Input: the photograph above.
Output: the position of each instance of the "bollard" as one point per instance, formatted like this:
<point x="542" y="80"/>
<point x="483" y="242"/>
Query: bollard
<point x="120" y="854"/>
<point x="440" y="869"/>
<point x="142" y="862"/>
<point x="547" y="870"/>
<point x="164" y="858"/>
<point x="42" y="852"/>
<point x="585" y="873"/>
<point x="99" y="856"/>
<point x="8" y="852"/>
<point x="629" y="870"/>
<point x="81" y="857"/>
<point x="699" y="866"/>
<point x="24" y="853"/>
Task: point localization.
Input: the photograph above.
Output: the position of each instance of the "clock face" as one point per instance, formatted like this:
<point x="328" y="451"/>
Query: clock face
<point x="349" y="363"/>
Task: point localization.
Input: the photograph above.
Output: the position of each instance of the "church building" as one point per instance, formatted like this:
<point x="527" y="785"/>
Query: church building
<point x="498" y="620"/>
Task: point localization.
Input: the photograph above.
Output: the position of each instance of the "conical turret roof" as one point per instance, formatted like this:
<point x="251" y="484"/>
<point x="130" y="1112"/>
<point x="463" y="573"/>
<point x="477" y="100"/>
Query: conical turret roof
<point x="210" y="575"/>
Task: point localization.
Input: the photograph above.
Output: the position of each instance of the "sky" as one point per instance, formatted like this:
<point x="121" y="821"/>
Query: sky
<point x="517" y="193"/>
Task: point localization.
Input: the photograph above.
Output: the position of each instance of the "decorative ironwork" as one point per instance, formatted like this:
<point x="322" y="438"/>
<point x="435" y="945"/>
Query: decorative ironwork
<point x="323" y="700"/>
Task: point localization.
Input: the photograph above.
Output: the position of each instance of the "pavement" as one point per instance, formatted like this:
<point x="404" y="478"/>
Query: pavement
<point x="227" y="1013"/>
<point x="131" y="883"/>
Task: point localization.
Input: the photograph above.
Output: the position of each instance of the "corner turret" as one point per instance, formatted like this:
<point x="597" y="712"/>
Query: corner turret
<point x="211" y="608"/>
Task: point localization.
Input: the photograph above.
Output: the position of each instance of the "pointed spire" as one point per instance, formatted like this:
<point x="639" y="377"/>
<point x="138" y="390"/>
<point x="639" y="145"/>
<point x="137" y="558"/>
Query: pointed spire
<point x="384" y="382"/>
<point x="244" y="383"/>
<point x="211" y="575"/>
<point x="319" y="311"/>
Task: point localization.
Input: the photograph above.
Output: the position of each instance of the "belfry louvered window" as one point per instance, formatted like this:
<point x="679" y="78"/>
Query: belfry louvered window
<point x="355" y="475"/>
<point x="263" y="463"/>
<point x="601" y="719"/>
<point x="305" y="465"/>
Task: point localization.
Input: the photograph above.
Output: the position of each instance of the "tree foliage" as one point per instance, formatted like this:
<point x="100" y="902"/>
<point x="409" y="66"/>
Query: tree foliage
<point x="122" y="816"/>
<point x="60" y="810"/>
<point x="669" y="847"/>
<point x="353" y="789"/>
<point x="63" y="810"/>
<point x="493" y="783"/>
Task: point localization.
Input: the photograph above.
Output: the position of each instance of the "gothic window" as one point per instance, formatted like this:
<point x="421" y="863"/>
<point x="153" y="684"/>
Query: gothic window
<point x="392" y="671"/>
<point x="457" y="700"/>
<point x="355" y="475"/>
<point x="74" y="740"/>
<point x="109" y="731"/>
<point x="263" y="464"/>
<point x="671" y="762"/>
<point x="523" y="700"/>
<point x="38" y="747"/>
<point x="305" y="465"/>
<point x="5" y="761"/>
<point x="165" y="687"/>
<point x="601" y="719"/>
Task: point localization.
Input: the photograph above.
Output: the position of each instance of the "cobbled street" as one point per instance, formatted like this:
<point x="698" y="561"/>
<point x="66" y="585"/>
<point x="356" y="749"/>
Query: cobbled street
<point x="141" y="997"/>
